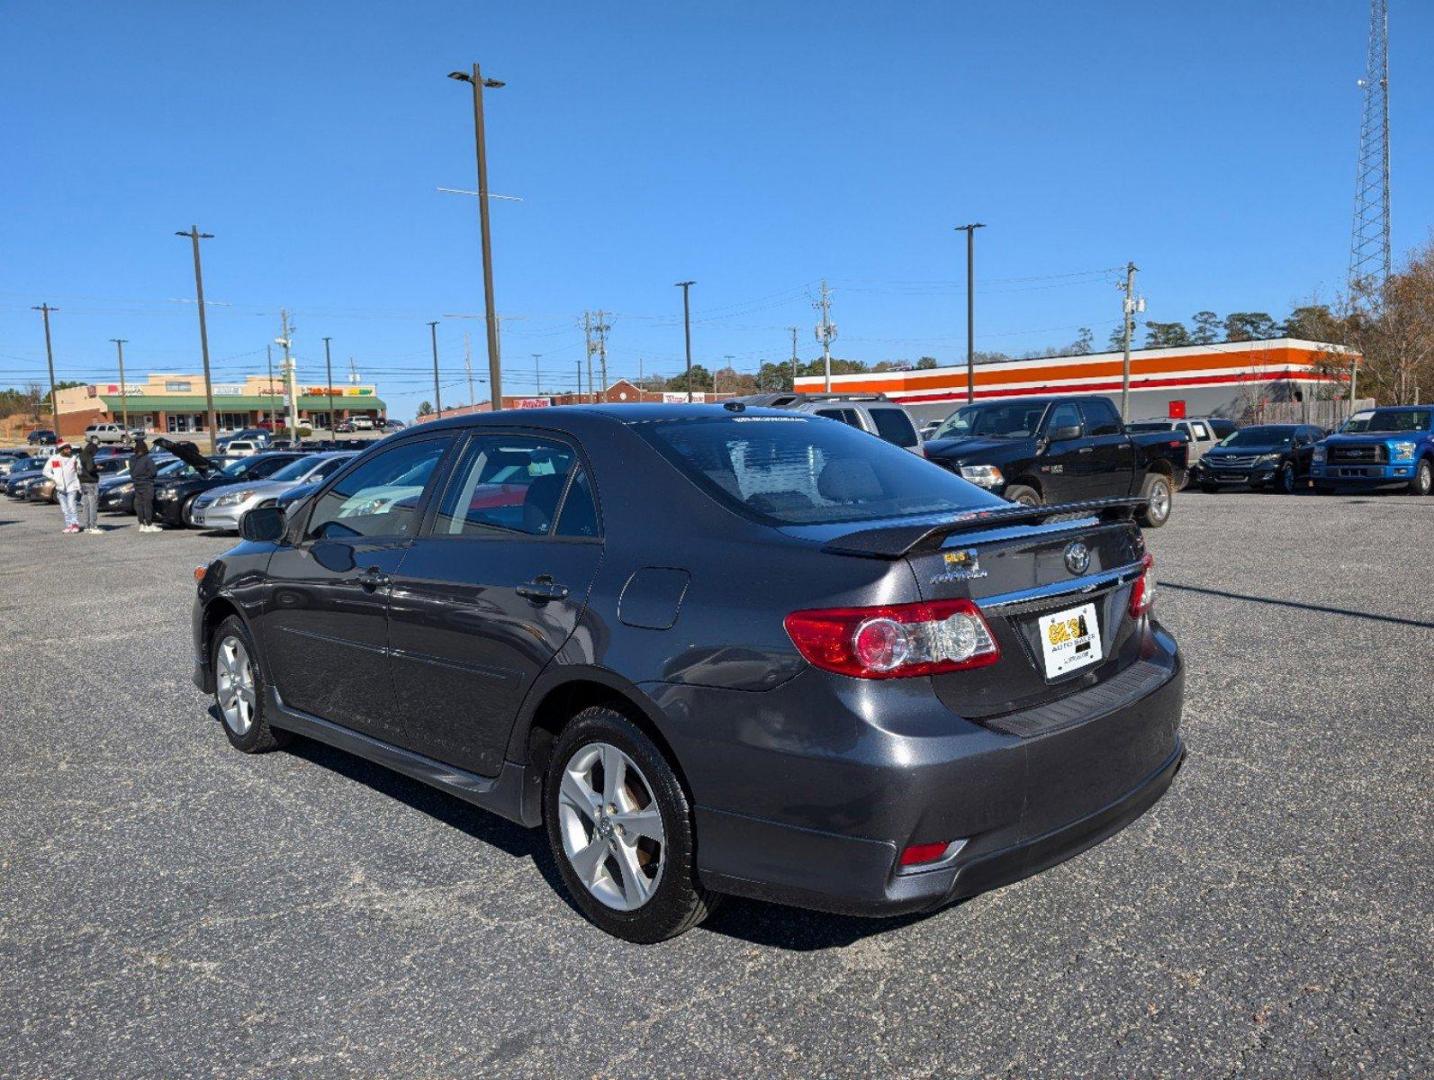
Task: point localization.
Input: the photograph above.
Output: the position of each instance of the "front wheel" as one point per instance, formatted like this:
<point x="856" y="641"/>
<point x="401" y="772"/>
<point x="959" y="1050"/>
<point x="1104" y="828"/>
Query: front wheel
<point x="1423" y="481"/>
<point x="239" y="689"/>
<point x="1285" y="479"/>
<point x="620" y="828"/>
<point x="1159" y="499"/>
<point x="1022" y="495"/>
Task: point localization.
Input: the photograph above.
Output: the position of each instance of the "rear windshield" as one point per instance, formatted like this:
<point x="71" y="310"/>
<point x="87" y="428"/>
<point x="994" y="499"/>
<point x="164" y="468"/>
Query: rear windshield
<point x="1399" y="420"/>
<point x="799" y="470"/>
<point x="1150" y="425"/>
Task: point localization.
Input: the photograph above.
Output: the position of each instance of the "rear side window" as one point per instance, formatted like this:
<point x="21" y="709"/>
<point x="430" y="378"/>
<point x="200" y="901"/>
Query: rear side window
<point x="894" y="426"/>
<point x="505" y="483"/>
<point x="793" y="470"/>
<point x="846" y="416"/>
<point x="381" y="496"/>
<point x="1100" y="417"/>
<point x="1200" y="431"/>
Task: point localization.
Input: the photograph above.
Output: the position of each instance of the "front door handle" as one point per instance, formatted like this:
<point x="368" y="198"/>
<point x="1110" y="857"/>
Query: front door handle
<point x="1087" y="450"/>
<point x="373" y="578"/>
<point x="542" y="589"/>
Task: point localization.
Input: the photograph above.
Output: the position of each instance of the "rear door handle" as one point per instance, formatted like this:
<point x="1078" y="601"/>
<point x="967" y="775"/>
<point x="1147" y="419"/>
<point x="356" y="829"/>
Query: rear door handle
<point x="1087" y="450"/>
<point x="542" y="589"/>
<point x="373" y="578"/>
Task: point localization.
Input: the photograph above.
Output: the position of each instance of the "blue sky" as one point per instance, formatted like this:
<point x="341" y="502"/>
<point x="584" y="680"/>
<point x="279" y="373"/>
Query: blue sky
<point x="752" y="147"/>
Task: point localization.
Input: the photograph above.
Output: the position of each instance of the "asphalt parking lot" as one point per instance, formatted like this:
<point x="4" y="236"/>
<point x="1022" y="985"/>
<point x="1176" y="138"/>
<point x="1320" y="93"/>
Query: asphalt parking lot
<point x="170" y="907"/>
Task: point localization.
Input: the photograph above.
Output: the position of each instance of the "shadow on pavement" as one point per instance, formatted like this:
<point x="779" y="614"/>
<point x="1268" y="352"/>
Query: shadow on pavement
<point x="759" y="923"/>
<point x="1395" y="619"/>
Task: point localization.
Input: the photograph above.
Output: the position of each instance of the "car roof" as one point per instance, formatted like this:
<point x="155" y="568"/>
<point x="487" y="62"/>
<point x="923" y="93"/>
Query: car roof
<point x="561" y="417"/>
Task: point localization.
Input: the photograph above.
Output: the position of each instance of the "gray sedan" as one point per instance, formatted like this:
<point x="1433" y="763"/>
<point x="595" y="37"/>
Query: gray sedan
<point x="223" y="508"/>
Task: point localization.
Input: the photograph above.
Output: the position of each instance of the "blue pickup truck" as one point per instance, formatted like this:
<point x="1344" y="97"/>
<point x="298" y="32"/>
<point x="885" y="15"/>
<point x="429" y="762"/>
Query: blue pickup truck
<point x="1395" y="449"/>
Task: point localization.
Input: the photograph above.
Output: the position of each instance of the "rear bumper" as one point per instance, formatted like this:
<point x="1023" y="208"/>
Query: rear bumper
<point x="808" y="793"/>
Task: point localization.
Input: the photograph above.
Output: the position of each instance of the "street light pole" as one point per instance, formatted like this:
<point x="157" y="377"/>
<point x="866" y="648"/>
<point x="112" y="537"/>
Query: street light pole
<point x="194" y="237"/>
<point x="687" y="332"/>
<point x="124" y="397"/>
<point x="970" y="231"/>
<point x="478" y="83"/>
<point x="329" y="370"/>
<point x="44" y="310"/>
<point x="437" y="392"/>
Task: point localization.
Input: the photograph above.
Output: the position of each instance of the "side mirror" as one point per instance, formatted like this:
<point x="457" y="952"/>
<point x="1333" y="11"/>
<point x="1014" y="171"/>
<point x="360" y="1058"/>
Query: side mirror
<point x="263" y="524"/>
<point x="1059" y="434"/>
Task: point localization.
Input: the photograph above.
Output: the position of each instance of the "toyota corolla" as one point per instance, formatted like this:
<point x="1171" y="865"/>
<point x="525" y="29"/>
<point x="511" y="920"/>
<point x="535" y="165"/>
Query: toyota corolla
<point x="710" y="650"/>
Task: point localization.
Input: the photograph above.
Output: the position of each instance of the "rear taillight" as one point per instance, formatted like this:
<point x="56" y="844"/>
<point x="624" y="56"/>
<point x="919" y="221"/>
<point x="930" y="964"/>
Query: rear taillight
<point x="1142" y="593"/>
<point x="895" y="641"/>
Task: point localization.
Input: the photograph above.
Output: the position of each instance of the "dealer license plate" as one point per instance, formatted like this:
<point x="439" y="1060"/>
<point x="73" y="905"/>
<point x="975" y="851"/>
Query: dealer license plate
<point x="1070" y="640"/>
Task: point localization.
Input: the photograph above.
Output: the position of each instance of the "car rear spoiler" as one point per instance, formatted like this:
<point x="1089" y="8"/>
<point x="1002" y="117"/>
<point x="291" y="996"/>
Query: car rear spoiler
<point x="897" y="541"/>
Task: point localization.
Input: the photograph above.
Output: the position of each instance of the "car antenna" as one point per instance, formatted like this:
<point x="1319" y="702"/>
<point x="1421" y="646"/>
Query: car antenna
<point x="735" y="406"/>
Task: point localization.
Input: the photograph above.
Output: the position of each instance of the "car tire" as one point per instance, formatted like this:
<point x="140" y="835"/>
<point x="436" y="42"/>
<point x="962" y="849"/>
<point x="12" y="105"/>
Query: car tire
<point x="1423" y="482"/>
<point x="1023" y="495"/>
<point x="186" y="512"/>
<point x="1285" y="481"/>
<point x="632" y="873"/>
<point x="239" y="689"/>
<point x="1159" y="499"/>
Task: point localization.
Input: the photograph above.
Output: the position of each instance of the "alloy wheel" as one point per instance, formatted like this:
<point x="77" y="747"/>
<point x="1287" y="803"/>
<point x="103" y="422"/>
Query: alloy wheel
<point x="234" y="685"/>
<point x="610" y="826"/>
<point x="1159" y="501"/>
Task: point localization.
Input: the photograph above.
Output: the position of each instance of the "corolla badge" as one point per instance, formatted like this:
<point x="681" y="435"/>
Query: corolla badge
<point x="1077" y="558"/>
<point x="962" y="565"/>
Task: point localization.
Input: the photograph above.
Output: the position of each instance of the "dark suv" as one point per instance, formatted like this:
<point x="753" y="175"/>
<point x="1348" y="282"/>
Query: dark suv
<point x="711" y="650"/>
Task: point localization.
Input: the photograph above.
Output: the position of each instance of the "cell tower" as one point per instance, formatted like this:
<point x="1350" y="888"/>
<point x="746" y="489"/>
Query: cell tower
<point x="1369" y="261"/>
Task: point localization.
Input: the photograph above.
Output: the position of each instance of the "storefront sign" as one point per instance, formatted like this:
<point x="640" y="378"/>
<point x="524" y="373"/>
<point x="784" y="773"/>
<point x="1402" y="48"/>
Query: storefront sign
<point x="530" y="403"/>
<point x="129" y="390"/>
<point x="227" y="390"/>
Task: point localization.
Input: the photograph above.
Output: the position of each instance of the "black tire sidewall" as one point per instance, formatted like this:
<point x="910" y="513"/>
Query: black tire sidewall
<point x="1285" y="482"/>
<point x="260" y="736"/>
<point x="670" y="910"/>
<point x="1015" y="491"/>
<point x="1423" y="483"/>
<point x="1151" y="483"/>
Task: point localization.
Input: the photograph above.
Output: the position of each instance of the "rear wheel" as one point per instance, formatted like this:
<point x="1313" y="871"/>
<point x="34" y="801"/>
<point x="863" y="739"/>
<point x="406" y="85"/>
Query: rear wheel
<point x="620" y="828"/>
<point x="1285" y="479"/>
<point x="1423" y="482"/>
<point x="1023" y="495"/>
<point x="239" y="689"/>
<point x="1159" y="498"/>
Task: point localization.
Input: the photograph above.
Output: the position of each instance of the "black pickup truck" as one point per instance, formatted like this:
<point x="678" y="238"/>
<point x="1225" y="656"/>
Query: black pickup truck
<point x="1054" y="450"/>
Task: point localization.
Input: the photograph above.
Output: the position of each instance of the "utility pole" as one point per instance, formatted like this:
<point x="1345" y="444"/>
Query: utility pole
<point x="826" y="333"/>
<point x="437" y="391"/>
<point x="194" y="237"/>
<point x="287" y="371"/>
<point x="468" y="366"/>
<point x="269" y="390"/>
<point x="580" y="382"/>
<point x="329" y="371"/>
<point x="124" y="394"/>
<point x="793" y="329"/>
<point x="599" y="330"/>
<point x="1129" y="306"/>
<point x="537" y="373"/>
<point x="970" y="231"/>
<point x="44" y="310"/>
<point x="687" y="331"/>
<point x="479" y="84"/>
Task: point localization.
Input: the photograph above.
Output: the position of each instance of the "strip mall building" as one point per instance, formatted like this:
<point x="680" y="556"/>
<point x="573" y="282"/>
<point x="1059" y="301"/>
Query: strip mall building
<point x="1231" y="380"/>
<point x="174" y="404"/>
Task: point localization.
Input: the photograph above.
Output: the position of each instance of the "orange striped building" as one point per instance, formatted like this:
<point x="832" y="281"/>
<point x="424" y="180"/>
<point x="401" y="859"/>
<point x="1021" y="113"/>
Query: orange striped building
<point x="1194" y="380"/>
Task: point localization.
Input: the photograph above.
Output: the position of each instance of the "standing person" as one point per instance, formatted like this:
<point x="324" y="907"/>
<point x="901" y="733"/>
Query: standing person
<point x="64" y="471"/>
<point x="90" y="484"/>
<point x="142" y="472"/>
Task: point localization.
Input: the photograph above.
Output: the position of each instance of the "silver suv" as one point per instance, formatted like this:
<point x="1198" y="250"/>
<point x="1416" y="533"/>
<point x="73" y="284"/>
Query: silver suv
<point x="873" y="413"/>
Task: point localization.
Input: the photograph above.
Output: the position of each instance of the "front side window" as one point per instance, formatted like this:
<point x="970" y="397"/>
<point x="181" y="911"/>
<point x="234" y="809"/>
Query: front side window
<point x="795" y="470"/>
<point x="505" y="484"/>
<point x="1200" y="431"/>
<point x="1065" y="416"/>
<point x="379" y="497"/>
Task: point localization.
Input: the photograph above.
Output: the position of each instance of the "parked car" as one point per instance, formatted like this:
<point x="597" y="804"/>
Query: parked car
<point x="42" y="437"/>
<point x="873" y="413"/>
<point x="385" y="424"/>
<point x="17" y="484"/>
<point x="1198" y="433"/>
<point x="913" y="693"/>
<point x="254" y="434"/>
<point x="224" y="508"/>
<point x="1273" y="457"/>
<point x="1396" y="448"/>
<point x="174" y="501"/>
<point x="116" y="494"/>
<point x="1045" y="450"/>
<point x="243" y="447"/>
<point x="116" y="434"/>
<point x="11" y="460"/>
